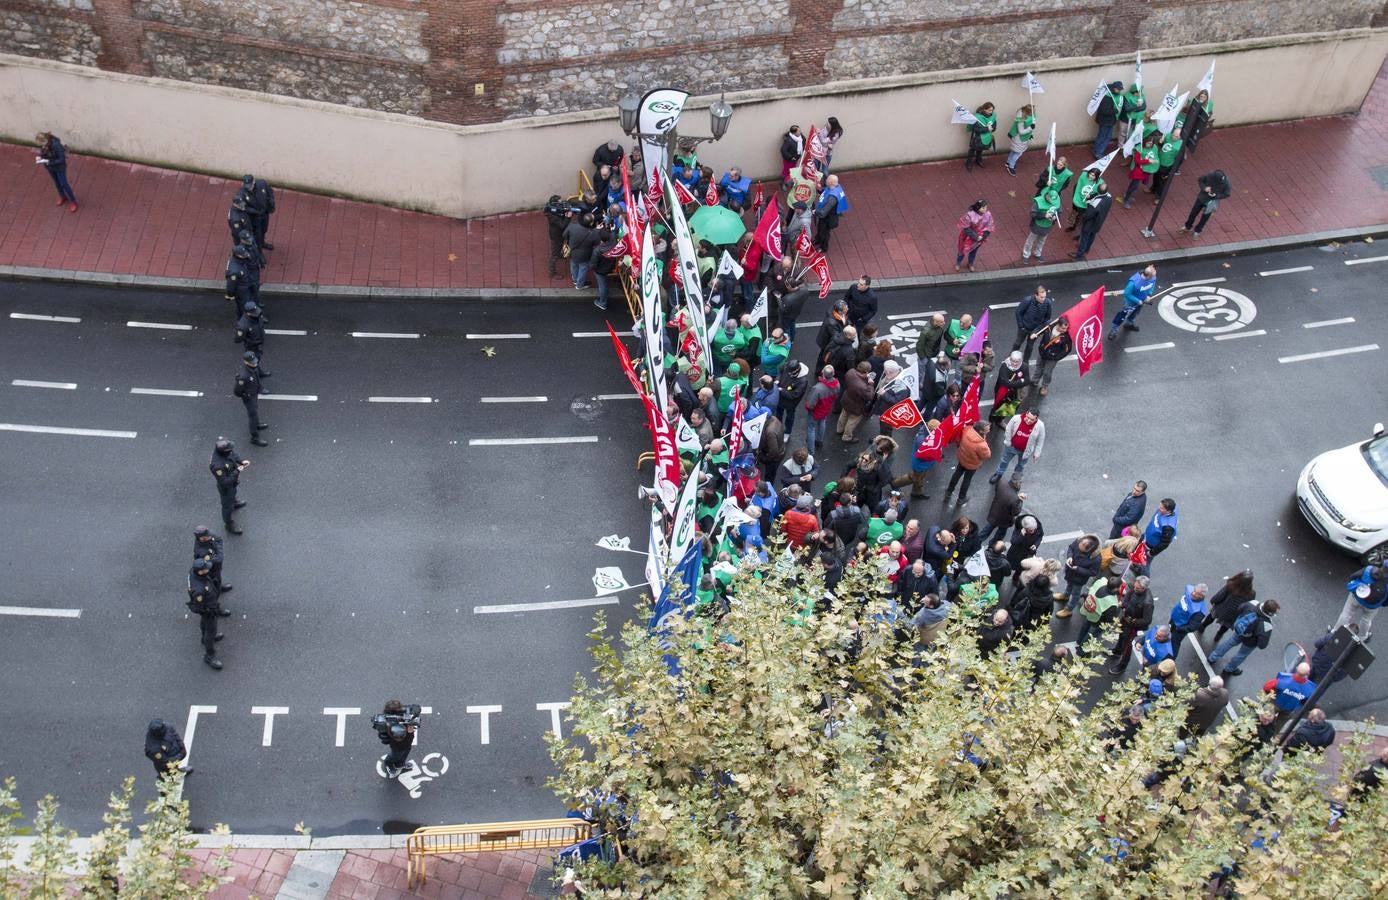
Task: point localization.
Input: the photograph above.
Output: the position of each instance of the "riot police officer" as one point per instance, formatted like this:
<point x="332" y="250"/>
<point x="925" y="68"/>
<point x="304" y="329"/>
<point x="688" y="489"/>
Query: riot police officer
<point x="247" y="387"/>
<point x="238" y="220"/>
<point x="264" y="197"/>
<point x="226" y="468"/>
<point x="239" y="286"/>
<point x="208" y="546"/>
<point x="250" y="333"/>
<point x="164" y="747"/>
<point x="205" y="600"/>
<point x="257" y="261"/>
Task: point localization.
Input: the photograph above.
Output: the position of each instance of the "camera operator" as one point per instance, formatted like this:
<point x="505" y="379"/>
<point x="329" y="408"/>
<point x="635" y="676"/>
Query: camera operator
<point x="396" y="726"/>
<point x="557" y="212"/>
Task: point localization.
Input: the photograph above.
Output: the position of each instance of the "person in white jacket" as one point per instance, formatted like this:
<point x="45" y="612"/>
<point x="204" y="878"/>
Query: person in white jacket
<point x="1022" y="441"/>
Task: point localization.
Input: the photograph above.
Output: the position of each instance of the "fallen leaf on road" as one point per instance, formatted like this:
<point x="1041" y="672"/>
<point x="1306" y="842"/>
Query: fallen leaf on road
<point x="1011" y="193"/>
<point x="1276" y="213"/>
<point x="1227" y="266"/>
<point x="1368" y="240"/>
<point x="489" y="351"/>
<point x="1315" y="290"/>
<point x="452" y="257"/>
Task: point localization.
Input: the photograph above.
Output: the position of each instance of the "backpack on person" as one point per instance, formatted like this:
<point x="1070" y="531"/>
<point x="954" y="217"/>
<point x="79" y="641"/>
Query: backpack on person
<point x="1244" y="623"/>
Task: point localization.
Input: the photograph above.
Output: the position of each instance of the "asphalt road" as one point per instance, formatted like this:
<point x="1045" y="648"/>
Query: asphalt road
<point x="378" y="533"/>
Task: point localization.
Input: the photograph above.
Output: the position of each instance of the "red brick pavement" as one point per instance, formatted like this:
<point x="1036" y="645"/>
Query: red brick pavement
<point x="1289" y="179"/>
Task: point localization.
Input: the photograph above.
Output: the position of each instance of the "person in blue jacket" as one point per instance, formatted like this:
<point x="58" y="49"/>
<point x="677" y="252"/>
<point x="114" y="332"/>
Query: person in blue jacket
<point x="53" y="157"/>
<point x="833" y="203"/>
<point x="1368" y="592"/>
<point x="1189" y="613"/>
<point x="1130" y="511"/>
<point x="1161" y="530"/>
<point x="734" y="186"/>
<point x="1137" y="294"/>
<point x="1156" y="645"/>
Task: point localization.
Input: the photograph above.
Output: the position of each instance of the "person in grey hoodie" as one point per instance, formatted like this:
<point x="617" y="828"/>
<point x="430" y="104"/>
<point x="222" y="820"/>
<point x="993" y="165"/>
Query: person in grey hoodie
<point x="931" y="617"/>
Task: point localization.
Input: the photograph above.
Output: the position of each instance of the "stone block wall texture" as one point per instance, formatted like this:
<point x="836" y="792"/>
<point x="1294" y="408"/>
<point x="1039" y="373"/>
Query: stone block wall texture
<point x="477" y="61"/>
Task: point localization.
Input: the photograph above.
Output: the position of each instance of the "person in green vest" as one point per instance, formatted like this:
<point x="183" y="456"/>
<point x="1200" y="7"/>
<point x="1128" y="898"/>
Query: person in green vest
<point x="957" y="335"/>
<point x="977" y="596"/>
<point x="883" y="529"/>
<point x="1150" y="127"/>
<point x="774" y="352"/>
<point x="981" y="135"/>
<point x="1023" y="127"/>
<point x="1141" y="168"/>
<point x="750" y="336"/>
<point x="1167" y="151"/>
<point x="734" y="378"/>
<point x="717" y="453"/>
<point x="1057" y="176"/>
<point x="1045" y="209"/>
<point x="1134" y="105"/>
<point x="726" y="344"/>
<point x="1085" y="187"/>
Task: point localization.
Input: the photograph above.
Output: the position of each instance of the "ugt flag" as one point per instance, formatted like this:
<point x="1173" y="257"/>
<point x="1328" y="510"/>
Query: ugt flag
<point x="902" y="415"/>
<point x="961" y="115"/>
<point x="968" y="411"/>
<point x="768" y="233"/>
<point x="711" y="195"/>
<point x="1086" y="320"/>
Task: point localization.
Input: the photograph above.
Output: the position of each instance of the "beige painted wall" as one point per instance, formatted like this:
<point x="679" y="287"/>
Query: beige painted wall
<point x="477" y="170"/>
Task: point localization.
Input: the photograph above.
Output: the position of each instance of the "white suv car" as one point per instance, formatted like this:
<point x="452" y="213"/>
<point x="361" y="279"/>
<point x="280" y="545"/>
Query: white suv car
<point x="1344" y="495"/>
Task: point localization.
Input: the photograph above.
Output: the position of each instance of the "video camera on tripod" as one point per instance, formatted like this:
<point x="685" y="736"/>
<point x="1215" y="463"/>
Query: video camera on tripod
<point x="393" y="725"/>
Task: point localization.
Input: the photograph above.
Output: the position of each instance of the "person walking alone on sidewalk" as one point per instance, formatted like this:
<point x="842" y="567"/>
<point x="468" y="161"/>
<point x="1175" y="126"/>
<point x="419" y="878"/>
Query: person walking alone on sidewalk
<point x="53" y="157"/>
<point x="981" y="135"/>
<point x="975" y="226"/>
<point x="1214" y="187"/>
<point x="1023" y="127"/>
<point x="1136" y="294"/>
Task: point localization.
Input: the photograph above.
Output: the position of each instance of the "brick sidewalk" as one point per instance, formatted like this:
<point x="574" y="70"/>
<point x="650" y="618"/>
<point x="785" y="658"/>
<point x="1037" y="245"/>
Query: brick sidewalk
<point x="1289" y="179"/>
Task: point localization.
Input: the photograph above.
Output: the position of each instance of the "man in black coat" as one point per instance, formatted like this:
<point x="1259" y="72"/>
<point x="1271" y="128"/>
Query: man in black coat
<point x="264" y="197"/>
<point x="994" y="633"/>
<point x="248" y="388"/>
<point x="1134" y="619"/>
<point x="208" y="546"/>
<point x="226" y="468"/>
<point x="1106" y="116"/>
<point x="164" y="747"/>
<point x="1214" y="187"/>
<point x="791" y="304"/>
<point x="204" y="599"/>
<point x="250" y="332"/>
<point x="862" y="302"/>
<point x="835" y="320"/>
<point x="1033" y="312"/>
<point x="793" y="382"/>
<point x="1095" y="213"/>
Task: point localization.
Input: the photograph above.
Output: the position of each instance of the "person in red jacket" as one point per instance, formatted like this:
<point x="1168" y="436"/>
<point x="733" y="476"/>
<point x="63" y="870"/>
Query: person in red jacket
<point x="797" y="524"/>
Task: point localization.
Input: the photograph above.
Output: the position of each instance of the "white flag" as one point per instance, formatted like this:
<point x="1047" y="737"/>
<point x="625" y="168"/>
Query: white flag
<point x="1171" y="106"/>
<point x="609" y="580"/>
<point x="1134" y="138"/>
<point x="1100" y="165"/>
<point x="1050" y="152"/>
<point x="1137" y="72"/>
<point x="658" y="554"/>
<point x="1097" y="97"/>
<point x="752" y="429"/>
<point x="759" y="308"/>
<point x="728" y="265"/>
<point x="730" y="515"/>
<point x="686" y="438"/>
<point x="961" y="116"/>
<point x="908" y="378"/>
<point x="977" y="565"/>
<point x="1207" y="83"/>
<point x="1031" y="84"/>
<point x="653" y="321"/>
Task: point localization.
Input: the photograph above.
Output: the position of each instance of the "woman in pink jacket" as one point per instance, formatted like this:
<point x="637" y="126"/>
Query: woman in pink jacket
<point x="974" y="227"/>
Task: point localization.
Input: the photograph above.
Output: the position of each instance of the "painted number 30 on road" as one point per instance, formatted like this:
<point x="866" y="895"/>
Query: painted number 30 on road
<point x="1207" y="310"/>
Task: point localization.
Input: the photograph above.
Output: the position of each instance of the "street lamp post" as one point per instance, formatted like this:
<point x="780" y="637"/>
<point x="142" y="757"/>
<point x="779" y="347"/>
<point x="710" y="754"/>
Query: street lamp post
<point x="720" y="115"/>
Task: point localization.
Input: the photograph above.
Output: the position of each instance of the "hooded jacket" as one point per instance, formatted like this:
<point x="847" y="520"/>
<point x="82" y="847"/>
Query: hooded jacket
<point x="973" y="449"/>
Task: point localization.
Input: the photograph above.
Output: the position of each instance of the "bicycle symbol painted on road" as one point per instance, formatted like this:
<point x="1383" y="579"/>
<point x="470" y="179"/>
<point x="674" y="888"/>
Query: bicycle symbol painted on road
<point x="1207" y="310"/>
<point x="416" y="773"/>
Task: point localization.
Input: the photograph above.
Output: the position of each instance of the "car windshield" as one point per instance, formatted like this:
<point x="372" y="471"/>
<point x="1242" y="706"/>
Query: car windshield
<point x="1376" y="455"/>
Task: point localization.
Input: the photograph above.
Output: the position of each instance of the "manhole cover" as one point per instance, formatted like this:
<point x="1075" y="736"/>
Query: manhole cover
<point x="586" y="408"/>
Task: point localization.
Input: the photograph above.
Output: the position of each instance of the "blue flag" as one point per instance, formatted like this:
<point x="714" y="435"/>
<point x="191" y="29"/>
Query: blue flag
<point x="687" y="570"/>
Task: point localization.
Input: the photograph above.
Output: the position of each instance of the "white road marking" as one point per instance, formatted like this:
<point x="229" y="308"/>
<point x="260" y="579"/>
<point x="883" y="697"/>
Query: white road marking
<point x="538" y="398"/>
<point x="1286" y="271"/>
<point x="167" y="326"/>
<point x="618" y="397"/>
<point x="554" y="709"/>
<point x="1240" y="334"/>
<point x="287" y="332"/>
<point x="307" y="398"/>
<point x="269" y="712"/>
<point x="342" y="712"/>
<point x="1200" y="281"/>
<point x="190" y="728"/>
<point x="55" y="429"/>
<point x="519" y="336"/>
<point x="1200" y="654"/>
<point x="1065" y="536"/>
<point x="507" y="442"/>
<point x="59" y="385"/>
<point x="1348" y="320"/>
<point x="486" y="719"/>
<point x="918" y="315"/>
<point x="592" y="334"/>
<point x="1004" y="305"/>
<point x="399" y="399"/>
<point x="1343" y="351"/>
<point x="41" y="611"/>
<point x="546" y="605"/>
<point x="1367" y="259"/>
<point x="811" y="324"/>
<point x="985" y="404"/>
<point x="1142" y="347"/>
<point x="383" y="334"/>
<point x="35" y="317"/>
<point x="161" y="392"/>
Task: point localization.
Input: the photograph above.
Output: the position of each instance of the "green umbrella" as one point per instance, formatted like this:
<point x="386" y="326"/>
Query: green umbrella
<point x="717" y="224"/>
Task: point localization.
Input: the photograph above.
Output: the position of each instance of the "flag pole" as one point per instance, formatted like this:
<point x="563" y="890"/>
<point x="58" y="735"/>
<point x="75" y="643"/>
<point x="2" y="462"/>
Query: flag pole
<point x="1149" y="231"/>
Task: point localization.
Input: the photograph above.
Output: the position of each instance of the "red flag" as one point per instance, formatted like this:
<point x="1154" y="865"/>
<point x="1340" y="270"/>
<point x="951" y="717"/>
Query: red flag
<point x="633" y="235"/>
<point x="968" y="412"/>
<point x="735" y="436"/>
<point x="1086" y="320"/>
<point x="683" y="193"/>
<point x="936" y="440"/>
<point x="1140" y="556"/>
<point x="621" y="248"/>
<point x="711" y="197"/>
<point x="803" y="247"/>
<point x="808" y="169"/>
<point x="624" y="358"/>
<point x="768" y="233"/>
<point x="759" y="200"/>
<point x="820" y="266"/>
<point x="902" y="415"/>
<point x="667" y="460"/>
<point x="654" y="191"/>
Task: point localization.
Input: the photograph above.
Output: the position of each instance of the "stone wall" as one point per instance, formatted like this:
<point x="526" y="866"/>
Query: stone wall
<point x="479" y="61"/>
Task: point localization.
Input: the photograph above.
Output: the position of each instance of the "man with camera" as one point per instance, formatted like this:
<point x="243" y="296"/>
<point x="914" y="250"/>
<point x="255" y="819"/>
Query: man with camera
<point x="396" y="726"/>
<point x="557" y="212"/>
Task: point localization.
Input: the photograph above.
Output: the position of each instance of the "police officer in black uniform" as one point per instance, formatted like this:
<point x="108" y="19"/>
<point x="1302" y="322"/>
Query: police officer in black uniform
<point x="164" y="747"/>
<point x="238" y="220"/>
<point x="208" y="546"/>
<point x="264" y="197"/>
<point x="257" y="261"/>
<point x="205" y="600"/>
<point x="250" y="333"/>
<point x="239" y="286"/>
<point x="226" y="467"/>
<point x="248" y="389"/>
<point x="255" y="205"/>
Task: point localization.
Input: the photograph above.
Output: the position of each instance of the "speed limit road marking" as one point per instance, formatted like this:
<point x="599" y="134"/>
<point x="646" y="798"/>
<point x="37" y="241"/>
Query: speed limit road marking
<point x="1207" y="310"/>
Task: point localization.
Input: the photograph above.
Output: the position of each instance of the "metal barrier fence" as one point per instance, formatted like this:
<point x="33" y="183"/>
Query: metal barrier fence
<point x="540" y="834"/>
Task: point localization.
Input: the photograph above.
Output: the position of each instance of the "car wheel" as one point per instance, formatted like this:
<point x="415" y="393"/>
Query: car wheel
<point x="1377" y="556"/>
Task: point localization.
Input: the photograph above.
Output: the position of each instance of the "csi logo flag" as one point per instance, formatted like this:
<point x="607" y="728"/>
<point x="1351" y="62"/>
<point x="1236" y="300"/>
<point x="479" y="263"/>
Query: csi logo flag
<point x="961" y="115"/>
<point x="902" y="415"/>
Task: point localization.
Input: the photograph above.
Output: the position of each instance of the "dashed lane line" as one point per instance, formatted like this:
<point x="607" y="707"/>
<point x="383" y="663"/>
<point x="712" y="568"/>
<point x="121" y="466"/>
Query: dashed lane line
<point x="41" y="612"/>
<point x="166" y="326"/>
<point x="56" y="385"/>
<point x="306" y="398"/>
<point x="399" y="399"/>
<point x="1141" y="348"/>
<point x="57" y="429"/>
<point x="517" y="336"/>
<point x="400" y="335"/>
<point x="546" y="605"/>
<point x="1063" y="536"/>
<point x="523" y="442"/>
<point x="1348" y="320"/>
<point x="1005" y="305"/>
<point x="538" y="398"/>
<point x="588" y="334"/>
<point x="1285" y="271"/>
<point x="164" y="392"/>
<point x="35" y="317"/>
<point x="915" y="315"/>
<point x="1240" y="334"/>
<point x="1343" y="351"/>
<point x="617" y="397"/>
<point x="1367" y="259"/>
<point x="1179" y="284"/>
<point x="287" y="332"/>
